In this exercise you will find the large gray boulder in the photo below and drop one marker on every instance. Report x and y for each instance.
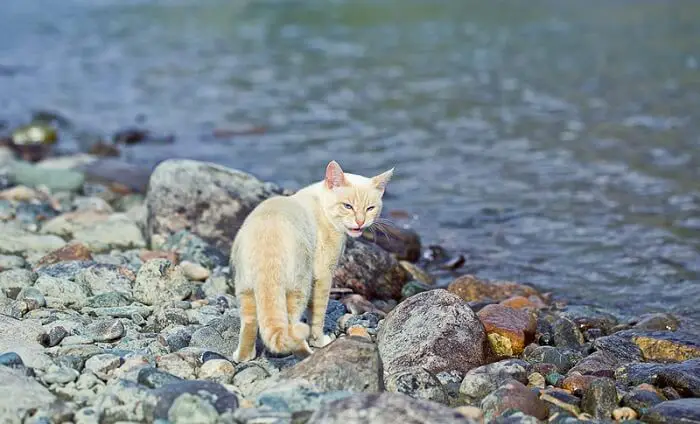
(207, 199)
(435, 330)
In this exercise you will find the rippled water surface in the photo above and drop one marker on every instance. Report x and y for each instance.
(555, 142)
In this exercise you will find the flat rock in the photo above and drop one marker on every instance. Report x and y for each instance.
(509, 330)
(21, 395)
(221, 399)
(17, 242)
(207, 199)
(470, 289)
(682, 411)
(664, 346)
(370, 271)
(385, 408)
(435, 330)
(73, 251)
(296, 396)
(347, 363)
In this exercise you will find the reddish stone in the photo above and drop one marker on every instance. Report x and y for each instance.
(516, 325)
(71, 252)
(577, 383)
(522, 302)
(470, 288)
(147, 255)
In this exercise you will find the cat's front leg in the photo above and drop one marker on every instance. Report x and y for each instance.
(319, 304)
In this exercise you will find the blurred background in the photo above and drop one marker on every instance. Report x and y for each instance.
(550, 141)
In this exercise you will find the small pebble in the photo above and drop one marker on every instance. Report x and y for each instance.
(625, 413)
(536, 380)
(53, 337)
(105, 330)
(359, 331)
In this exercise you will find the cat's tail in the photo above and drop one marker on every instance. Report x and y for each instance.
(275, 331)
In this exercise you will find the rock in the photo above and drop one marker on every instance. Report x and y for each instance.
(418, 273)
(404, 243)
(208, 199)
(469, 289)
(252, 379)
(418, 384)
(105, 330)
(147, 255)
(577, 383)
(589, 317)
(334, 311)
(32, 297)
(57, 374)
(8, 262)
(536, 380)
(521, 302)
(413, 287)
(221, 399)
(117, 174)
(347, 363)
(660, 321)
(17, 242)
(125, 400)
(192, 248)
(369, 321)
(641, 400)
(194, 271)
(685, 411)
(12, 360)
(600, 364)
(218, 370)
(385, 408)
(513, 395)
(296, 396)
(370, 271)
(624, 414)
(105, 278)
(116, 232)
(74, 251)
(219, 335)
(177, 364)
(509, 330)
(664, 346)
(481, 381)
(471, 412)
(560, 402)
(435, 330)
(567, 334)
(154, 378)
(358, 331)
(14, 280)
(53, 337)
(622, 349)
(188, 409)
(103, 365)
(600, 399)
(563, 360)
(683, 377)
(359, 305)
(32, 394)
(54, 179)
(158, 281)
(62, 291)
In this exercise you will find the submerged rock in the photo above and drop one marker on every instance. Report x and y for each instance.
(435, 330)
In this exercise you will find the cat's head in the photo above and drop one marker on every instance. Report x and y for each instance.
(353, 202)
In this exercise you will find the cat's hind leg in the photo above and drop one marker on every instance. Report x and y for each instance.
(296, 303)
(249, 328)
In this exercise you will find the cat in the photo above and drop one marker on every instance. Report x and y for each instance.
(285, 253)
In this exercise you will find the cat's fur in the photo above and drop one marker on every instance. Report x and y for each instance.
(286, 251)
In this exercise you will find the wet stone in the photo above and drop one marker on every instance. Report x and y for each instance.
(566, 334)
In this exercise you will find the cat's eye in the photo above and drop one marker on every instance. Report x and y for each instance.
(369, 208)
(347, 206)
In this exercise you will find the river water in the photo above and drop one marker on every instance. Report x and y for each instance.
(553, 142)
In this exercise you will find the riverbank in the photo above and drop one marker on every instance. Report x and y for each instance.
(116, 307)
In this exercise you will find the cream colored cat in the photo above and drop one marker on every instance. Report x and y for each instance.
(285, 253)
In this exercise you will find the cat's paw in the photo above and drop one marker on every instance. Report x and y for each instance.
(238, 357)
(323, 340)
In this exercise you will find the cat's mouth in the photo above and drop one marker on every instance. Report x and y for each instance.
(355, 232)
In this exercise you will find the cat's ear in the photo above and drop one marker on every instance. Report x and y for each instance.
(334, 175)
(380, 181)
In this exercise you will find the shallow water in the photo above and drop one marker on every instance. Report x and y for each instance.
(555, 142)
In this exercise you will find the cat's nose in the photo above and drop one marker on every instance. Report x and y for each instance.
(359, 222)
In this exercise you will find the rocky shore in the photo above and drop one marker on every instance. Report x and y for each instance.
(115, 307)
